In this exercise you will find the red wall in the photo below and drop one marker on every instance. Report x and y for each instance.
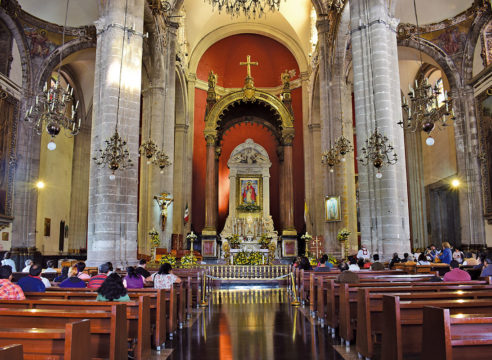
(223, 58)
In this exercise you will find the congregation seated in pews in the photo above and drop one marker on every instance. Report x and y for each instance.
(150, 310)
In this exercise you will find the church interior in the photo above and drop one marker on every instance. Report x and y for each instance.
(233, 138)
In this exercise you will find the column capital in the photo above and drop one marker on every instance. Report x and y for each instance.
(191, 77)
(210, 139)
(181, 127)
(323, 25)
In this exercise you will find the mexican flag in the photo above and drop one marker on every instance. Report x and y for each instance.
(186, 214)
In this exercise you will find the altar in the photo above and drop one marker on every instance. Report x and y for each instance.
(249, 221)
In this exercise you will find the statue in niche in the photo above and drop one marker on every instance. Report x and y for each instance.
(164, 200)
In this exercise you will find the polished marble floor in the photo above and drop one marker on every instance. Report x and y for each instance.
(251, 324)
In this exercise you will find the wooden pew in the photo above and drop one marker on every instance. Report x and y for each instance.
(328, 300)
(463, 336)
(138, 316)
(11, 352)
(69, 343)
(370, 307)
(163, 309)
(402, 322)
(107, 329)
(347, 310)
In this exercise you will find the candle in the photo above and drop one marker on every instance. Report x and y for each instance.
(77, 104)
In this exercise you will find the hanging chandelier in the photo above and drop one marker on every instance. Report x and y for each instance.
(425, 110)
(148, 149)
(249, 8)
(115, 153)
(378, 152)
(54, 106)
(161, 160)
(336, 153)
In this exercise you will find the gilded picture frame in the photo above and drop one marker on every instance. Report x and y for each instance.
(249, 191)
(289, 247)
(333, 211)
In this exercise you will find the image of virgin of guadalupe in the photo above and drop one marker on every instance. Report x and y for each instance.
(249, 194)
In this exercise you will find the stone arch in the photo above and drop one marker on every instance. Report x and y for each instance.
(252, 28)
(439, 56)
(479, 23)
(284, 127)
(15, 28)
(53, 60)
(6, 40)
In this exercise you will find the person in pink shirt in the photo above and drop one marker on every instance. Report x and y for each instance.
(456, 274)
(82, 275)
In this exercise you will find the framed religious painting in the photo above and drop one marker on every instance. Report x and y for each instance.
(209, 248)
(289, 247)
(249, 192)
(332, 208)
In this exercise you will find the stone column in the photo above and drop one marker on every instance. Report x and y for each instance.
(210, 192)
(113, 204)
(163, 122)
(288, 228)
(383, 202)
(470, 196)
(280, 154)
(79, 196)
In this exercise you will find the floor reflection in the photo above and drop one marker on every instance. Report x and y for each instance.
(252, 324)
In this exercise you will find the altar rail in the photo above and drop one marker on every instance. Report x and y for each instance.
(233, 272)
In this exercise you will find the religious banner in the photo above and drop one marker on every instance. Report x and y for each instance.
(332, 208)
(249, 192)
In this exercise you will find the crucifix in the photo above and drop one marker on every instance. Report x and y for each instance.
(248, 63)
(316, 243)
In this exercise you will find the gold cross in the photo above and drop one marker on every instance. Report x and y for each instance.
(248, 63)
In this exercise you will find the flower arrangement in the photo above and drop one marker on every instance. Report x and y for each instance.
(248, 258)
(343, 234)
(189, 260)
(248, 207)
(265, 240)
(242, 258)
(271, 252)
(168, 258)
(227, 252)
(154, 238)
(313, 261)
(332, 260)
(306, 237)
(234, 241)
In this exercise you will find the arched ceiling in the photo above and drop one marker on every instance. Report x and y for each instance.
(80, 12)
(430, 11)
(293, 18)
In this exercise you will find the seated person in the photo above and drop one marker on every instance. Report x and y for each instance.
(112, 289)
(133, 280)
(367, 264)
(446, 256)
(353, 265)
(97, 280)
(32, 282)
(28, 266)
(73, 281)
(9, 291)
(80, 268)
(394, 260)
(164, 278)
(423, 260)
(376, 265)
(141, 268)
(487, 267)
(304, 263)
(8, 261)
(50, 264)
(63, 275)
(323, 265)
(410, 260)
(456, 274)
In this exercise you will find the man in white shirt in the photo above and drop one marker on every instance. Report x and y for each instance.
(363, 253)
